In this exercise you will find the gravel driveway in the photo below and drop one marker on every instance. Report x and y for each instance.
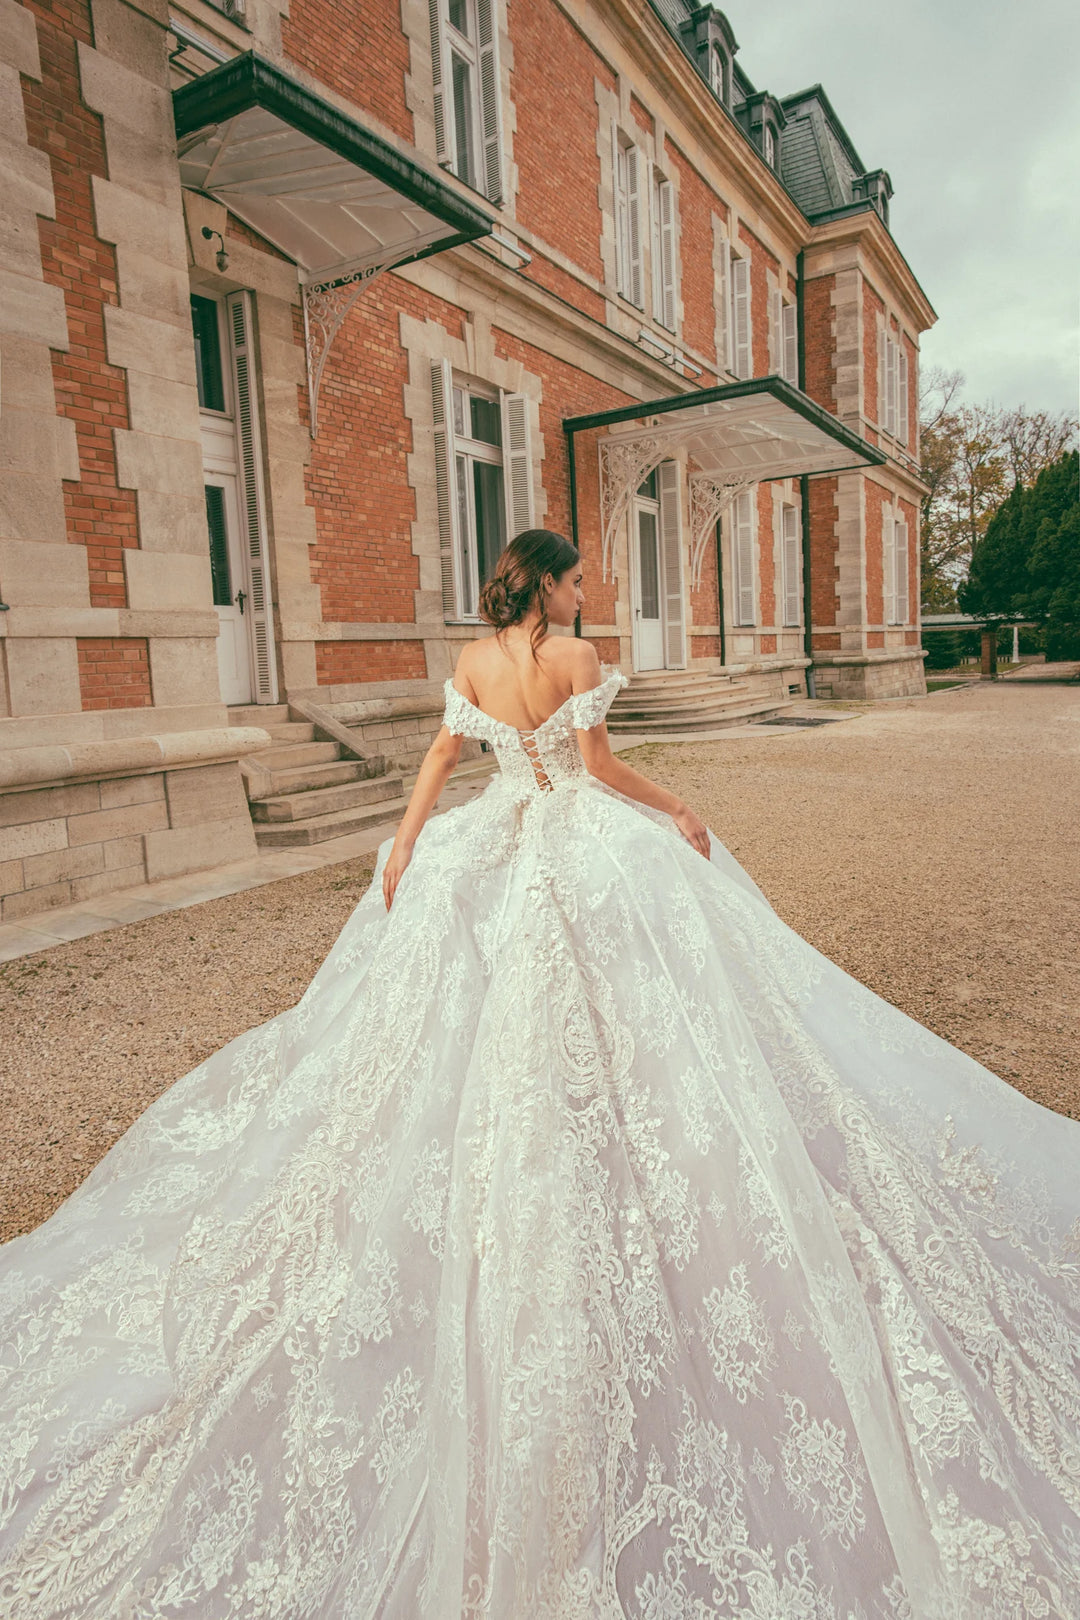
(930, 847)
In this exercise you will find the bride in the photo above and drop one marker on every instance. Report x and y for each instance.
(583, 1243)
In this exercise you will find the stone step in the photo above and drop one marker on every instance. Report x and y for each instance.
(652, 702)
(674, 681)
(307, 777)
(292, 731)
(712, 719)
(323, 801)
(318, 829)
(286, 756)
(258, 714)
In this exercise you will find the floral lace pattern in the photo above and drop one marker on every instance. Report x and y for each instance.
(582, 1244)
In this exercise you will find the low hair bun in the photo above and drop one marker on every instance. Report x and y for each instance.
(509, 595)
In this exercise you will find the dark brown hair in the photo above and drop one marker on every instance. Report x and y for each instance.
(514, 586)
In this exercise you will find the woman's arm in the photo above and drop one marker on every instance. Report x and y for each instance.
(439, 761)
(616, 773)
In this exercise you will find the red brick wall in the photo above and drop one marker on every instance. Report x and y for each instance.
(114, 672)
(820, 341)
(357, 49)
(340, 663)
(705, 601)
(553, 87)
(761, 261)
(824, 571)
(642, 117)
(704, 646)
(564, 286)
(697, 204)
(766, 560)
(607, 648)
(100, 515)
(363, 560)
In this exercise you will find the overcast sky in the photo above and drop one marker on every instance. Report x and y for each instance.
(973, 107)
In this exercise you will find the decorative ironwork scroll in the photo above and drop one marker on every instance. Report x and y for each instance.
(624, 465)
(326, 305)
(709, 498)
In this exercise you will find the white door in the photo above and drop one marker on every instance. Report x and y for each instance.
(648, 622)
(231, 595)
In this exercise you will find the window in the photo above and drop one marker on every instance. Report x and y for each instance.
(895, 559)
(466, 84)
(743, 512)
(768, 145)
(483, 477)
(783, 337)
(892, 384)
(790, 534)
(663, 252)
(209, 372)
(628, 220)
(720, 74)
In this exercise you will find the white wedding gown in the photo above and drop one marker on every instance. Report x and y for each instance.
(583, 1243)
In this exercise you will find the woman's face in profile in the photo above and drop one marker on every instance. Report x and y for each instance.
(566, 599)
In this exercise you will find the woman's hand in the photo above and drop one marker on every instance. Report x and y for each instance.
(396, 862)
(692, 828)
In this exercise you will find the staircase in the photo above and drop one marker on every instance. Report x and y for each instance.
(672, 701)
(302, 791)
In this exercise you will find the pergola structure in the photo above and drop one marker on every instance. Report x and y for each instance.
(328, 192)
(736, 436)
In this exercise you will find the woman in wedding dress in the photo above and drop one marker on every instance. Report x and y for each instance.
(582, 1244)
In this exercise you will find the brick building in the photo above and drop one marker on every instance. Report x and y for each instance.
(309, 306)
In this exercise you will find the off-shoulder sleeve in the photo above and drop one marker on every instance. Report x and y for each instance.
(587, 709)
(459, 716)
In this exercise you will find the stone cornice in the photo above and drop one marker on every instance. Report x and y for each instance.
(877, 253)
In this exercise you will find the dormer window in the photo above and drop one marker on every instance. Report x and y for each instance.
(769, 145)
(874, 187)
(763, 119)
(711, 45)
(720, 74)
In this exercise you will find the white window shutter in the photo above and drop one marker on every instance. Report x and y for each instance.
(881, 373)
(666, 210)
(622, 224)
(671, 564)
(723, 301)
(489, 100)
(900, 552)
(517, 465)
(776, 341)
(891, 382)
(902, 412)
(445, 483)
(633, 231)
(742, 556)
(790, 339)
(790, 539)
(437, 22)
(252, 494)
(740, 308)
(888, 569)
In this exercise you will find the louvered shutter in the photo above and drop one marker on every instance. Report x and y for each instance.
(252, 497)
(622, 252)
(902, 423)
(790, 339)
(437, 23)
(881, 407)
(890, 385)
(792, 560)
(671, 564)
(723, 297)
(664, 254)
(489, 100)
(888, 568)
(900, 553)
(742, 553)
(445, 482)
(776, 340)
(633, 232)
(740, 305)
(517, 465)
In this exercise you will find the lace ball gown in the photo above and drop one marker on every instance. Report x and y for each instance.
(583, 1243)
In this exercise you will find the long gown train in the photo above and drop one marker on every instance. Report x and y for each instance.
(583, 1244)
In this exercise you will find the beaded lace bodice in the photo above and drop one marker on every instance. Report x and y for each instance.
(548, 756)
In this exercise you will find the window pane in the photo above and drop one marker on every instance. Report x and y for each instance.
(465, 539)
(463, 118)
(219, 546)
(649, 572)
(648, 486)
(486, 425)
(459, 412)
(490, 516)
(459, 16)
(204, 321)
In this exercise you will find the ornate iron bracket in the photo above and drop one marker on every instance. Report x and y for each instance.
(326, 305)
(624, 464)
(709, 497)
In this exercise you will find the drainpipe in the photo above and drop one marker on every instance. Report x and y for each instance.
(720, 589)
(804, 493)
(572, 461)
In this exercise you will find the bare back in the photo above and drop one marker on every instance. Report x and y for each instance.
(500, 675)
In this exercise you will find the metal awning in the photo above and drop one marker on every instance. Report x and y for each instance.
(328, 192)
(743, 434)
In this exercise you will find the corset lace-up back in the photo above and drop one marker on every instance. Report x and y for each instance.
(548, 756)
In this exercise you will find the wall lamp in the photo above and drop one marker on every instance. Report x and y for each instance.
(221, 257)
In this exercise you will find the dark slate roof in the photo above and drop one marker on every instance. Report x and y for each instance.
(817, 159)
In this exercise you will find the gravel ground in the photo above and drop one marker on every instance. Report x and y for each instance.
(930, 847)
